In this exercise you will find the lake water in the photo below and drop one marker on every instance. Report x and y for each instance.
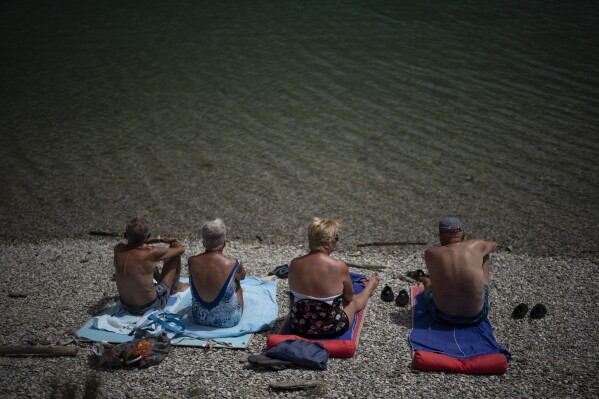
(383, 114)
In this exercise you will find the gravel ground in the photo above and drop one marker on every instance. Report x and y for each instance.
(66, 281)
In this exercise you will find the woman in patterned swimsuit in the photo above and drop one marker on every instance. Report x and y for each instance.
(217, 297)
(322, 302)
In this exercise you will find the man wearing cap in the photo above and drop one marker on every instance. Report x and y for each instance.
(456, 291)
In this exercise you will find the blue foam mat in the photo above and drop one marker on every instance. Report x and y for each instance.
(460, 342)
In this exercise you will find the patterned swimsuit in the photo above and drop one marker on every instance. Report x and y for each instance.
(224, 311)
(313, 318)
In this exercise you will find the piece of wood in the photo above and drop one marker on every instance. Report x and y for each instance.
(38, 351)
(368, 267)
(384, 243)
(408, 279)
(105, 233)
(294, 384)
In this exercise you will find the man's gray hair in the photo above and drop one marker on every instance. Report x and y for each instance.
(213, 235)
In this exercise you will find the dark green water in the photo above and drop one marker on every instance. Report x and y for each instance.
(383, 114)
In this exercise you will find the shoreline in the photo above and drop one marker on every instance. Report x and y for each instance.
(404, 245)
(66, 280)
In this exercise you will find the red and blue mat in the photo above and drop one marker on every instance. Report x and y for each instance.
(462, 349)
(343, 346)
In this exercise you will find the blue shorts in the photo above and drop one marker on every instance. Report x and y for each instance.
(162, 294)
(445, 318)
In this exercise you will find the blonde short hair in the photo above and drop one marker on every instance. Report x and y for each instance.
(321, 231)
(213, 234)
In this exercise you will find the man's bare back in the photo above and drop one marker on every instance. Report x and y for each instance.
(459, 273)
(136, 264)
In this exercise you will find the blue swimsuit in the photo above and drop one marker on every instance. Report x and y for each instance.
(457, 320)
(224, 311)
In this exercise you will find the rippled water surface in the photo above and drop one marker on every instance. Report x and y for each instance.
(383, 114)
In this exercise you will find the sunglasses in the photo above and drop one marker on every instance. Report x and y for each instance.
(336, 237)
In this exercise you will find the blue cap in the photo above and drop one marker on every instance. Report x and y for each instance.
(450, 225)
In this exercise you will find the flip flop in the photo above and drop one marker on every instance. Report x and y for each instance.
(280, 271)
(416, 274)
(264, 361)
(538, 311)
(387, 294)
(402, 298)
(520, 311)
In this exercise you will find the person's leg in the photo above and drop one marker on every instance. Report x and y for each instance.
(427, 284)
(171, 271)
(239, 293)
(361, 300)
(487, 269)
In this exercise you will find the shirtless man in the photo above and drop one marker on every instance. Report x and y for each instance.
(459, 276)
(136, 265)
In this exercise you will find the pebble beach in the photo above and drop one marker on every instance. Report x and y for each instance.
(51, 288)
(383, 115)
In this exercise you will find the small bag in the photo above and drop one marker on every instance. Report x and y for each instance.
(303, 353)
(144, 352)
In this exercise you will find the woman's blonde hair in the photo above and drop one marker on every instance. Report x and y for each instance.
(321, 231)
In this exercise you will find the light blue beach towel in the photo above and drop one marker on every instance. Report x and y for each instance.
(260, 313)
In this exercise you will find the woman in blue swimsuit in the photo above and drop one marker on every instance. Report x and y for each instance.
(217, 297)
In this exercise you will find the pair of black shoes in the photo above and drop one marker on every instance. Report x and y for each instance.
(538, 311)
(402, 298)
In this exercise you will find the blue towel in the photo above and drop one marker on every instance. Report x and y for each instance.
(462, 342)
(116, 320)
(259, 314)
(260, 311)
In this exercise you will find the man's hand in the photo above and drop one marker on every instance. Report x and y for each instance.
(174, 243)
(164, 240)
(240, 273)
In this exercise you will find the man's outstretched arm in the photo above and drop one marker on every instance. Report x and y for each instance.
(488, 246)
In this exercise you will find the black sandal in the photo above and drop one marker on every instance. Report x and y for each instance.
(538, 311)
(402, 298)
(520, 311)
(387, 294)
(416, 274)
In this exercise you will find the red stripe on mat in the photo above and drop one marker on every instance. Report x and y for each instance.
(341, 348)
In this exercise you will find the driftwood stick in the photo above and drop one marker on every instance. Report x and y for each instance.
(105, 233)
(384, 243)
(38, 351)
(16, 295)
(408, 279)
(368, 267)
(294, 384)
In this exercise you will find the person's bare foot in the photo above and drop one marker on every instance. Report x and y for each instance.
(373, 282)
(375, 279)
(180, 288)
